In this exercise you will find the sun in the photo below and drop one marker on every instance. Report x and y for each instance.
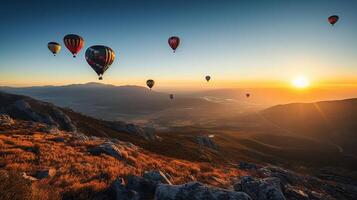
(300, 82)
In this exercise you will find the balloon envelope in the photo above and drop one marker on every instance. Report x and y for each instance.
(54, 47)
(171, 96)
(208, 78)
(74, 43)
(174, 42)
(150, 83)
(100, 58)
(333, 19)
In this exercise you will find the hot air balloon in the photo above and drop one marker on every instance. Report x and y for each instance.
(100, 58)
(171, 96)
(74, 43)
(247, 95)
(333, 19)
(208, 78)
(54, 47)
(150, 83)
(174, 42)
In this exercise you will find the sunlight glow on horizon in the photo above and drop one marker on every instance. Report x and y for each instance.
(301, 82)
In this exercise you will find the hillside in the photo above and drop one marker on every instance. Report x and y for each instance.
(48, 152)
(327, 120)
(108, 101)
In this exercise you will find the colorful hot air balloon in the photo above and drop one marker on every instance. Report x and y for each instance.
(54, 47)
(333, 19)
(150, 83)
(100, 58)
(174, 42)
(208, 78)
(171, 96)
(74, 43)
(247, 95)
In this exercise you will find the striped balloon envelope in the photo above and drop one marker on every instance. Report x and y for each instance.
(74, 43)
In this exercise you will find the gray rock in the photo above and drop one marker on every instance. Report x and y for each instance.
(107, 148)
(205, 141)
(157, 176)
(23, 106)
(121, 192)
(196, 191)
(144, 187)
(63, 120)
(261, 189)
(285, 176)
(57, 117)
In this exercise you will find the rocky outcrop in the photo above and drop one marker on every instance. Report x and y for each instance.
(260, 189)
(6, 120)
(196, 191)
(25, 109)
(63, 120)
(146, 133)
(144, 188)
(121, 192)
(53, 115)
(107, 148)
(157, 176)
(205, 141)
(296, 186)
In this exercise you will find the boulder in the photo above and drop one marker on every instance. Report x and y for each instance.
(196, 191)
(260, 189)
(145, 188)
(285, 176)
(107, 148)
(121, 192)
(157, 176)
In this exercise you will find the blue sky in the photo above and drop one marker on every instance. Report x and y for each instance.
(235, 42)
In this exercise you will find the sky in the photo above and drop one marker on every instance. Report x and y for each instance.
(239, 43)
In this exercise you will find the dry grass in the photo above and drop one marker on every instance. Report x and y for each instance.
(77, 170)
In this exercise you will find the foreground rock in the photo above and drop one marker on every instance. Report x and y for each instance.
(121, 192)
(260, 189)
(107, 148)
(196, 191)
(157, 176)
(297, 186)
(144, 188)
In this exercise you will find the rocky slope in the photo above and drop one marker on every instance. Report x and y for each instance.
(71, 165)
(47, 152)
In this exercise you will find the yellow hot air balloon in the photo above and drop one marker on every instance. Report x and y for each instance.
(54, 47)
